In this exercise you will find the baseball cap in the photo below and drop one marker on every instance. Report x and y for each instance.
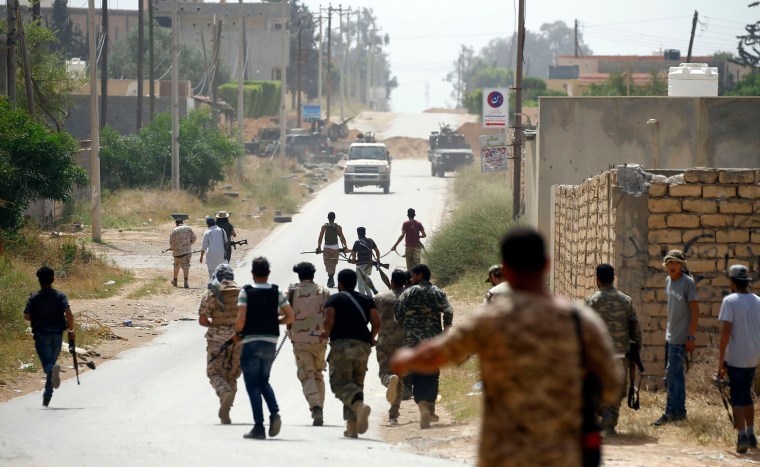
(739, 271)
(494, 270)
(222, 215)
(675, 255)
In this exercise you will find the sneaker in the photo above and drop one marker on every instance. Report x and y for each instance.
(742, 444)
(752, 441)
(362, 412)
(46, 400)
(174, 282)
(225, 404)
(668, 418)
(392, 391)
(275, 423)
(55, 376)
(317, 417)
(393, 421)
(187, 286)
(256, 433)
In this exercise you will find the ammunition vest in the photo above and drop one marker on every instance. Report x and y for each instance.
(262, 317)
(331, 234)
(226, 316)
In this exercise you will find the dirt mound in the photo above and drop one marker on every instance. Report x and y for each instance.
(441, 110)
(472, 132)
(402, 147)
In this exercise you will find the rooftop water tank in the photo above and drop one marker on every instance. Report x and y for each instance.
(693, 80)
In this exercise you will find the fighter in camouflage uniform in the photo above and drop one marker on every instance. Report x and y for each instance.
(617, 312)
(419, 310)
(391, 337)
(181, 243)
(530, 363)
(218, 311)
(308, 337)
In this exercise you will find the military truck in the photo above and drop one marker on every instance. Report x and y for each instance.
(448, 151)
(368, 164)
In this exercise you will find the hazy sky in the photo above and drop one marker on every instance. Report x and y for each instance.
(425, 35)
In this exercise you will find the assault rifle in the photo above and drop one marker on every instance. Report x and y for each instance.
(634, 363)
(73, 351)
(235, 243)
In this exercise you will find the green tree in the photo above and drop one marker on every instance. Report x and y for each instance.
(34, 162)
(747, 86)
(71, 44)
(617, 85)
(749, 51)
(144, 159)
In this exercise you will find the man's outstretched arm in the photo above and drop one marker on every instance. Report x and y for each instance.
(425, 358)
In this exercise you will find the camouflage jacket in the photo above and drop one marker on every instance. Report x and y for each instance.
(308, 301)
(222, 318)
(530, 363)
(617, 312)
(181, 240)
(391, 333)
(419, 311)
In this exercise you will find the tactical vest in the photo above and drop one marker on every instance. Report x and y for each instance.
(331, 234)
(226, 317)
(46, 312)
(261, 318)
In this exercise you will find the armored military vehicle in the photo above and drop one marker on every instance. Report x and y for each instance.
(448, 151)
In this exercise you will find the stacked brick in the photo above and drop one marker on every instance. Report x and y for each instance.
(584, 234)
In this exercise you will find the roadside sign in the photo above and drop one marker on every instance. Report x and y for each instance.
(311, 112)
(495, 107)
(493, 153)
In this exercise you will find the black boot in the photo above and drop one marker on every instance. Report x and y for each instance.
(330, 281)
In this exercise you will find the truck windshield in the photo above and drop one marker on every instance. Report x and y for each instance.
(375, 153)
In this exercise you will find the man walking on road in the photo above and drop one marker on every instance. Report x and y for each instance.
(529, 347)
(420, 310)
(214, 242)
(412, 231)
(309, 338)
(223, 222)
(680, 335)
(740, 352)
(262, 308)
(616, 310)
(331, 233)
(218, 312)
(49, 313)
(347, 316)
(181, 244)
(363, 253)
(391, 338)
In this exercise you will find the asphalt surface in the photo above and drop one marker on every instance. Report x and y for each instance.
(153, 405)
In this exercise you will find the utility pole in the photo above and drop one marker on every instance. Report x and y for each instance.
(347, 58)
(94, 127)
(298, 74)
(217, 35)
(240, 97)
(140, 54)
(283, 83)
(342, 83)
(104, 68)
(10, 12)
(151, 71)
(329, 59)
(175, 95)
(518, 134)
(693, 30)
(319, 78)
(576, 38)
(357, 75)
(371, 41)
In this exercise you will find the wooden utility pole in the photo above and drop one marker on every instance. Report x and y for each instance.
(347, 57)
(241, 91)
(283, 83)
(576, 38)
(341, 76)
(320, 72)
(693, 30)
(175, 95)
(10, 12)
(329, 59)
(94, 127)
(298, 74)
(140, 54)
(151, 71)
(217, 34)
(104, 68)
(518, 133)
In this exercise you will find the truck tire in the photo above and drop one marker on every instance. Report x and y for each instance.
(386, 187)
(347, 188)
(432, 169)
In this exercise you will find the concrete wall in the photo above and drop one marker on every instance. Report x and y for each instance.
(582, 136)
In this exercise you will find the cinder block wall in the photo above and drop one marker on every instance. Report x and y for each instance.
(712, 214)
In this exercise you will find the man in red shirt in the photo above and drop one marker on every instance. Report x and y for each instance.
(413, 231)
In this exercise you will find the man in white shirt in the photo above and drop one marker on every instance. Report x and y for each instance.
(214, 241)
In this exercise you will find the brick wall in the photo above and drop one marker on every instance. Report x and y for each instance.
(712, 214)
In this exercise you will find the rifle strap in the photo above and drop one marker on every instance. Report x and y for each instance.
(356, 304)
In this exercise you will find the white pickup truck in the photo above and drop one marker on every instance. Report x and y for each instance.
(368, 164)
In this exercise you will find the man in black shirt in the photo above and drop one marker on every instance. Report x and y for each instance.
(361, 254)
(346, 317)
(49, 312)
(223, 221)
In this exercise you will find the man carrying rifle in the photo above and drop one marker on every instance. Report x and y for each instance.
(223, 221)
(616, 310)
(218, 312)
(49, 312)
(362, 255)
(181, 243)
(331, 232)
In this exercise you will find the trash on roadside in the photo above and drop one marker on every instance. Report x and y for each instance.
(26, 366)
(128, 323)
(110, 283)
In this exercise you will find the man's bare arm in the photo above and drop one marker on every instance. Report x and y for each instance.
(329, 319)
(341, 237)
(321, 235)
(287, 315)
(425, 358)
(399, 240)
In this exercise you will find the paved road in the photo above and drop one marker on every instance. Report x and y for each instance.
(154, 406)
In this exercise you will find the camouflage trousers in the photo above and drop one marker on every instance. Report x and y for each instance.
(330, 258)
(413, 256)
(384, 354)
(348, 366)
(224, 371)
(310, 363)
(182, 262)
(609, 414)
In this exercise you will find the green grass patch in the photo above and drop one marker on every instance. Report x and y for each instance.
(154, 286)
(456, 390)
